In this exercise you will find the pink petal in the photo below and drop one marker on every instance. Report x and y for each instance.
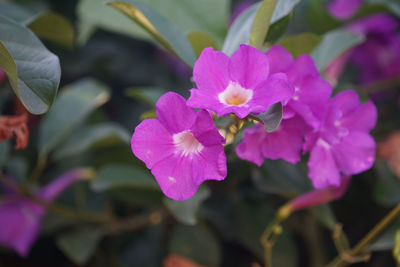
(344, 9)
(356, 153)
(210, 71)
(248, 66)
(209, 164)
(276, 88)
(57, 186)
(151, 142)
(205, 100)
(322, 166)
(346, 101)
(362, 119)
(279, 59)
(302, 67)
(205, 131)
(250, 147)
(175, 177)
(173, 113)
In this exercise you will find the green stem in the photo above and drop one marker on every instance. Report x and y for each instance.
(374, 233)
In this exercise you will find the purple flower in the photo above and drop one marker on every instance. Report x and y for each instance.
(20, 216)
(342, 145)
(240, 84)
(344, 9)
(284, 143)
(311, 92)
(182, 147)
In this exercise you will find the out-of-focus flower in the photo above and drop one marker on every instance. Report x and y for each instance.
(344, 9)
(174, 260)
(378, 57)
(342, 145)
(389, 149)
(174, 63)
(182, 147)
(240, 84)
(14, 126)
(239, 9)
(3, 76)
(285, 142)
(20, 216)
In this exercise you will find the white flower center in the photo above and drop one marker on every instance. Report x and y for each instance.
(235, 95)
(186, 143)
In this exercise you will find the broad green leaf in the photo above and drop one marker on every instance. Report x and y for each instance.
(387, 187)
(103, 134)
(277, 29)
(303, 43)
(392, 5)
(38, 69)
(271, 118)
(166, 33)
(17, 13)
(240, 31)
(53, 27)
(208, 16)
(196, 243)
(186, 211)
(261, 23)
(120, 175)
(333, 44)
(7, 64)
(200, 41)
(79, 245)
(73, 105)
(5, 148)
(148, 95)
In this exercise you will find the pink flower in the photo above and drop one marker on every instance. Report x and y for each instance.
(342, 145)
(20, 216)
(284, 143)
(311, 91)
(182, 147)
(344, 9)
(240, 84)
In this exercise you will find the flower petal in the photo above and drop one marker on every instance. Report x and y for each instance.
(205, 131)
(210, 72)
(302, 67)
(362, 119)
(279, 59)
(250, 147)
(356, 153)
(248, 66)
(173, 112)
(209, 164)
(151, 142)
(322, 166)
(344, 9)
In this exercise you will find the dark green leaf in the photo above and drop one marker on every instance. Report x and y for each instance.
(73, 105)
(79, 245)
(261, 23)
(303, 43)
(333, 44)
(120, 175)
(53, 27)
(166, 33)
(271, 118)
(325, 215)
(387, 187)
(103, 134)
(148, 95)
(200, 41)
(186, 211)
(38, 69)
(5, 148)
(392, 5)
(277, 29)
(240, 31)
(196, 243)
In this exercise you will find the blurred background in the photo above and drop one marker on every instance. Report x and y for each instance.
(120, 218)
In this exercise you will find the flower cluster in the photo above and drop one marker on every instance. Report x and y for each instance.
(183, 147)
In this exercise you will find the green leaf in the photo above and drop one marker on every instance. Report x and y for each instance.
(5, 148)
(53, 27)
(333, 44)
(386, 240)
(200, 41)
(271, 118)
(277, 29)
(18, 13)
(261, 23)
(392, 5)
(148, 95)
(38, 69)
(240, 31)
(120, 175)
(325, 215)
(79, 245)
(186, 211)
(196, 243)
(102, 134)
(73, 105)
(208, 16)
(387, 187)
(161, 29)
(7, 64)
(303, 43)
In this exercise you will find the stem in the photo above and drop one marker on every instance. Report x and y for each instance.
(40, 165)
(374, 233)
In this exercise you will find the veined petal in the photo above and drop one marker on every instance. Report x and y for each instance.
(279, 59)
(250, 147)
(209, 164)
